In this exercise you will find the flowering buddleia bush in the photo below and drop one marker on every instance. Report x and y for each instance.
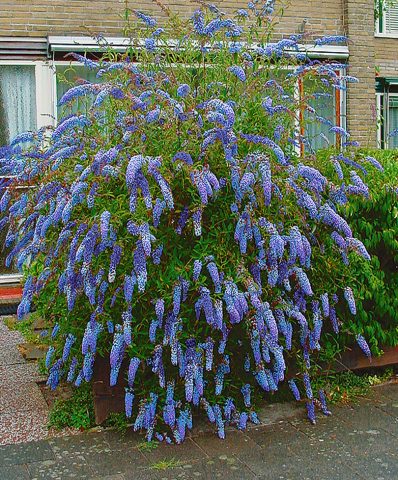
(171, 224)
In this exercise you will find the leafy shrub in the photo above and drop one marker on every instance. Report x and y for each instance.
(76, 412)
(375, 282)
(173, 225)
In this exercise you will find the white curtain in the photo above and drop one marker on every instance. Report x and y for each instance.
(69, 76)
(17, 101)
(325, 107)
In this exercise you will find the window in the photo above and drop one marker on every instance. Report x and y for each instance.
(317, 127)
(387, 109)
(392, 124)
(67, 75)
(17, 101)
(328, 106)
(387, 21)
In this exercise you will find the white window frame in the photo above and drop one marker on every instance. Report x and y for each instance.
(383, 99)
(379, 100)
(44, 117)
(383, 32)
(44, 90)
(387, 97)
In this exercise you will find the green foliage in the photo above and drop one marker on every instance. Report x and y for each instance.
(118, 421)
(148, 446)
(166, 464)
(76, 412)
(348, 387)
(375, 284)
(263, 235)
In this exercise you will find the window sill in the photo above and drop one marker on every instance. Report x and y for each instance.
(386, 35)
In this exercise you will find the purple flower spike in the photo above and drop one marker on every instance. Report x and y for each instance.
(322, 399)
(128, 402)
(349, 296)
(238, 72)
(294, 389)
(363, 345)
(246, 392)
(311, 411)
(133, 367)
(197, 268)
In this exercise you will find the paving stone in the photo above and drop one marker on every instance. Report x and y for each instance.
(274, 413)
(126, 461)
(389, 390)
(129, 438)
(235, 442)
(109, 477)
(18, 373)
(14, 472)
(222, 466)
(376, 466)
(391, 408)
(19, 426)
(276, 435)
(29, 393)
(76, 467)
(372, 418)
(25, 453)
(186, 452)
(85, 444)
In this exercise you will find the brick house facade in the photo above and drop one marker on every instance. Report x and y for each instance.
(29, 30)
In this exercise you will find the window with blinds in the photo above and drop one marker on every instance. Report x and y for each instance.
(387, 23)
(391, 19)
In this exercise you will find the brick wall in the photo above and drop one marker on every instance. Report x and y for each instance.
(359, 26)
(78, 17)
(353, 17)
(386, 52)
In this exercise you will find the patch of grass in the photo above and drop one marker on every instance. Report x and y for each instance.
(166, 464)
(118, 421)
(41, 366)
(148, 446)
(77, 411)
(348, 387)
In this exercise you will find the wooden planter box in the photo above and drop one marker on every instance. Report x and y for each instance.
(107, 399)
(111, 399)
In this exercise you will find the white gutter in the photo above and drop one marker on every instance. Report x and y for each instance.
(120, 44)
(10, 279)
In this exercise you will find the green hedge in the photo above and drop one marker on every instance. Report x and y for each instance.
(375, 283)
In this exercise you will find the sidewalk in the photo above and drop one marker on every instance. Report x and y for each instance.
(358, 442)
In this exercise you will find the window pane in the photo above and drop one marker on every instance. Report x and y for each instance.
(324, 102)
(17, 101)
(393, 122)
(67, 77)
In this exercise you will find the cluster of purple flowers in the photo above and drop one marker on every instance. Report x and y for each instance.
(112, 228)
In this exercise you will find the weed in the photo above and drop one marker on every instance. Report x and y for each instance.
(148, 446)
(118, 421)
(166, 464)
(348, 387)
(76, 411)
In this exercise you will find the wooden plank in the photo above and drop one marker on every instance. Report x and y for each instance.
(111, 399)
(107, 399)
(355, 359)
